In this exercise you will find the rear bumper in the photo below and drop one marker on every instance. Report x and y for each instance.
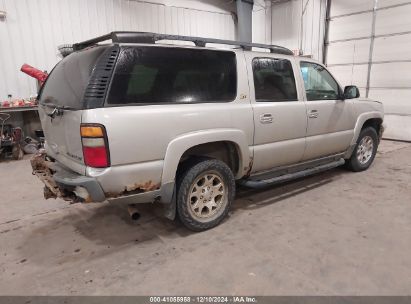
(60, 182)
(69, 180)
(71, 186)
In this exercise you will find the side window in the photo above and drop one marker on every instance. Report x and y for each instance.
(274, 80)
(155, 75)
(141, 80)
(318, 82)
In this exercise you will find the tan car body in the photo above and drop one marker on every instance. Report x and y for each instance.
(148, 142)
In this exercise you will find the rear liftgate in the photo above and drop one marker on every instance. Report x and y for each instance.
(69, 185)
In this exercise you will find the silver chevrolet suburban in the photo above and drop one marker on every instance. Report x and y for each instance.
(136, 121)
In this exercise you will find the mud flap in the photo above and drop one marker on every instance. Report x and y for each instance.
(381, 132)
(170, 209)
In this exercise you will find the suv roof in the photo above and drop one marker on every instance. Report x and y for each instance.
(151, 38)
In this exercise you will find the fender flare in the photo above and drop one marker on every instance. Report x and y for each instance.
(362, 118)
(182, 143)
(360, 123)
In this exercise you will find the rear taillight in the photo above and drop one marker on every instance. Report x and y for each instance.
(95, 145)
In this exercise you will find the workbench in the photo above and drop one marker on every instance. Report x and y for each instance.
(25, 117)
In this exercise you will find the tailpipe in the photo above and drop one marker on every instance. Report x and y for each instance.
(134, 212)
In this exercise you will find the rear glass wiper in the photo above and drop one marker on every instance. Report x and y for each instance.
(57, 109)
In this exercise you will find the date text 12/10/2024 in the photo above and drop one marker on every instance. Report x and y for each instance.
(203, 299)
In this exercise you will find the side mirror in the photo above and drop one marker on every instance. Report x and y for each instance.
(351, 92)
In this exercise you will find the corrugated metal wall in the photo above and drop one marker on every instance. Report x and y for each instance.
(299, 24)
(262, 21)
(370, 47)
(34, 28)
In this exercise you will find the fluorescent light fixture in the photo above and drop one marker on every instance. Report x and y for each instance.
(3, 15)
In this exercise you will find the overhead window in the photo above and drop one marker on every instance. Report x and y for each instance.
(274, 80)
(152, 75)
(318, 82)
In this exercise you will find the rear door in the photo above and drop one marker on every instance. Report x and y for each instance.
(65, 87)
(331, 120)
(279, 111)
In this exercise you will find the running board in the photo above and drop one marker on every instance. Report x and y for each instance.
(259, 184)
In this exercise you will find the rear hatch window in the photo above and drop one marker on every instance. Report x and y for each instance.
(67, 83)
(65, 88)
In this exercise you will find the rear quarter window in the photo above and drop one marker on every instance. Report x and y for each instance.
(158, 75)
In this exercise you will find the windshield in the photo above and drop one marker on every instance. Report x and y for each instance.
(66, 84)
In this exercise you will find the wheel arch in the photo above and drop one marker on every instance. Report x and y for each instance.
(183, 143)
(225, 151)
(374, 119)
(375, 123)
(221, 143)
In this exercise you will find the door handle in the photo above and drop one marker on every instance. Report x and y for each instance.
(313, 114)
(266, 118)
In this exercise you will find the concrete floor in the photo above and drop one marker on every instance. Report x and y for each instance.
(336, 233)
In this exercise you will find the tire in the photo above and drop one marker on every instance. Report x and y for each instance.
(205, 191)
(365, 150)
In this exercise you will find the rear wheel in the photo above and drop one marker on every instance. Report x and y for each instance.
(365, 150)
(205, 193)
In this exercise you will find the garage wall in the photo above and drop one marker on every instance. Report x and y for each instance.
(261, 23)
(370, 46)
(299, 25)
(34, 28)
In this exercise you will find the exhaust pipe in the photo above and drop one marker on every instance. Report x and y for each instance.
(133, 211)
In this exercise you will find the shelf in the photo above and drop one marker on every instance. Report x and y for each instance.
(18, 109)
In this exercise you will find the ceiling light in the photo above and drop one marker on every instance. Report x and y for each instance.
(3, 15)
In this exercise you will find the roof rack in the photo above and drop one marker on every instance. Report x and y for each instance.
(151, 38)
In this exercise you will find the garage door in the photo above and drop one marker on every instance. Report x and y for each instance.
(370, 46)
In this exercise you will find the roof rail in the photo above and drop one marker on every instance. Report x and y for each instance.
(151, 38)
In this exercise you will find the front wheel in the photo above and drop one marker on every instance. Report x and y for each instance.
(205, 193)
(365, 150)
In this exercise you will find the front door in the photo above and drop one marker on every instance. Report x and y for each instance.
(331, 120)
(279, 112)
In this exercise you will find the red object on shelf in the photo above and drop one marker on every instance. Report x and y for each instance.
(35, 73)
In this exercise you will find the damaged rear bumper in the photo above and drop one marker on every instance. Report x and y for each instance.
(68, 185)
(65, 184)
